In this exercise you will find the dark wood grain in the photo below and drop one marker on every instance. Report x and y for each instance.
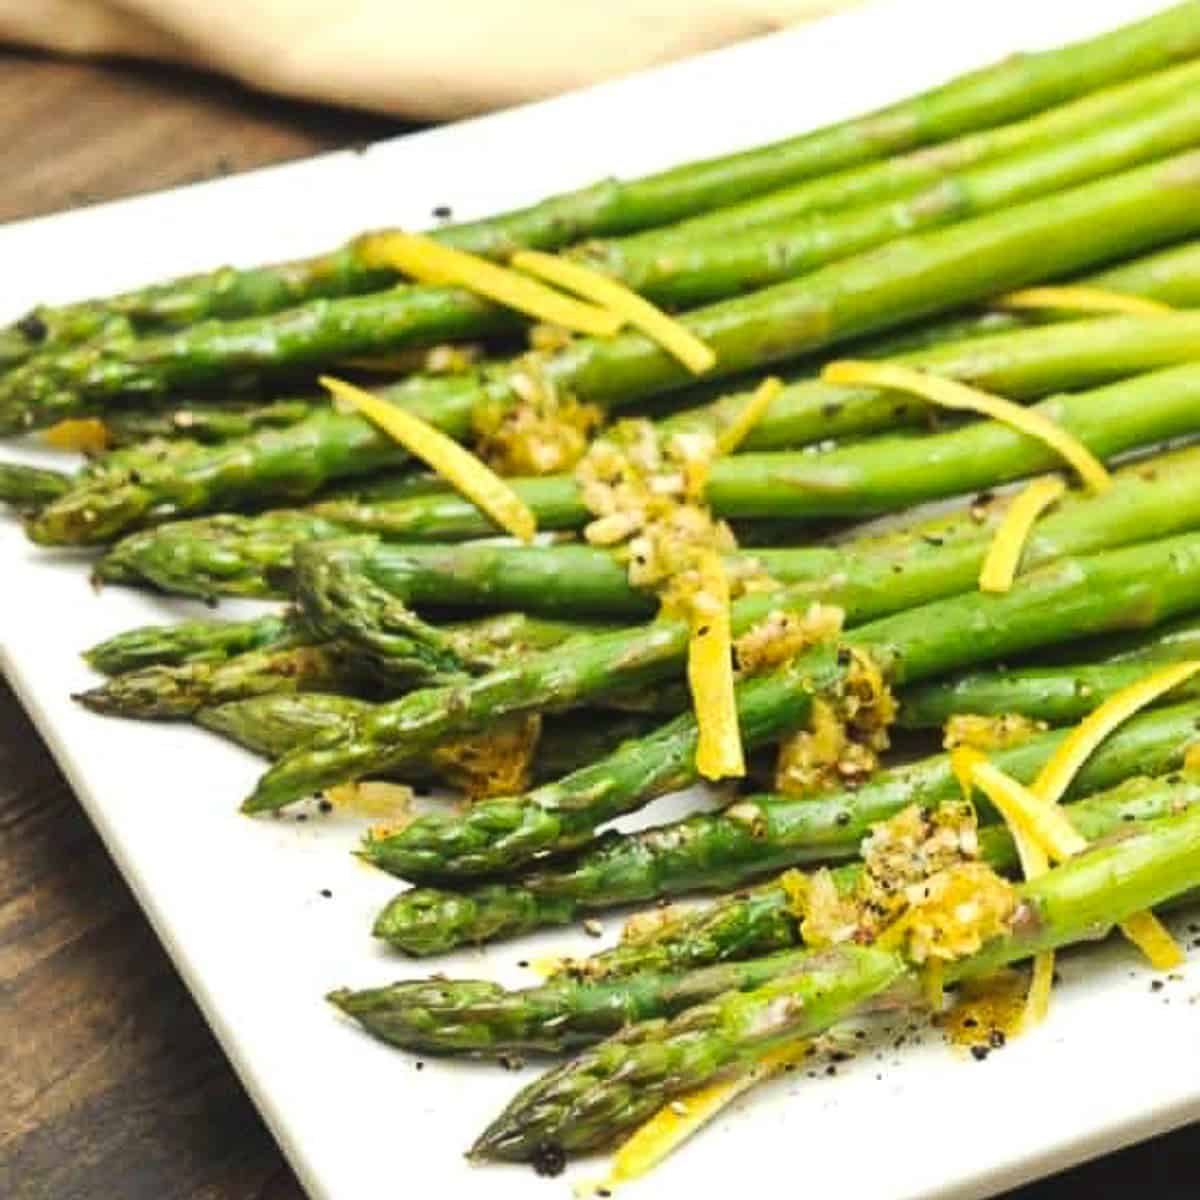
(111, 1086)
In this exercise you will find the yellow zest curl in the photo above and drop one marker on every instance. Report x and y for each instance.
(627, 306)
(732, 436)
(423, 259)
(1083, 299)
(949, 393)
(1000, 566)
(710, 674)
(86, 435)
(673, 1124)
(459, 467)
(1055, 777)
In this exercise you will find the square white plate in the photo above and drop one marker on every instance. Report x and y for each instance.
(238, 903)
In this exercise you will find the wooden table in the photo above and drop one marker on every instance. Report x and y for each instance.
(111, 1086)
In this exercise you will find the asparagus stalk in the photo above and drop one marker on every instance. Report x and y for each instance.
(30, 488)
(607, 1089)
(904, 175)
(1070, 599)
(444, 1016)
(1140, 585)
(202, 421)
(860, 479)
(192, 641)
(749, 838)
(290, 463)
(411, 654)
(1008, 90)
(909, 278)
(1054, 694)
(696, 272)
(1156, 498)
(250, 556)
(167, 693)
(723, 263)
(1171, 276)
(274, 724)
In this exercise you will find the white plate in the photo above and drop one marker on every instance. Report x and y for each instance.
(238, 903)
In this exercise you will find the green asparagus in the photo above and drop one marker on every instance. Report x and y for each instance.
(165, 692)
(290, 463)
(610, 1088)
(860, 479)
(444, 1016)
(685, 275)
(192, 641)
(1058, 695)
(628, 660)
(202, 421)
(30, 488)
(903, 175)
(1010, 89)
(1141, 585)
(749, 838)
(909, 278)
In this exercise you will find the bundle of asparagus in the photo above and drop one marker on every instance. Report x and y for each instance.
(699, 603)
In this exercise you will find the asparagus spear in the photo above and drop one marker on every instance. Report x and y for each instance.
(725, 262)
(747, 839)
(1055, 694)
(860, 479)
(1070, 599)
(909, 278)
(202, 421)
(290, 463)
(1171, 275)
(30, 488)
(577, 1007)
(230, 555)
(684, 275)
(903, 175)
(411, 654)
(1010, 89)
(274, 724)
(192, 641)
(165, 692)
(607, 1089)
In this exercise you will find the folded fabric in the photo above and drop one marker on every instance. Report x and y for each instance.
(427, 61)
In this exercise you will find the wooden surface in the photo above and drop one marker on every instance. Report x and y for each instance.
(111, 1086)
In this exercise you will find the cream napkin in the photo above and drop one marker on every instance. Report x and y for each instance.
(431, 60)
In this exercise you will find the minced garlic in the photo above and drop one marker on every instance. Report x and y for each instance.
(847, 733)
(990, 733)
(543, 433)
(780, 636)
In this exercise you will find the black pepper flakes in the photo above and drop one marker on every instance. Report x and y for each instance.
(442, 212)
(326, 893)
(548, 1159)
(979, 1053)
(32, 326)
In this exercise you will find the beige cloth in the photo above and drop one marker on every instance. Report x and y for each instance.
(432, 59)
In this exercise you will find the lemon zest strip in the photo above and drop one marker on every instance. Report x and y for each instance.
(673, 336)
(673, 1124)
(458, 466)
(710, 674)
(1000, 566)
(1082, 299)
(427, 261)
(949, 393)
(732, 436)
